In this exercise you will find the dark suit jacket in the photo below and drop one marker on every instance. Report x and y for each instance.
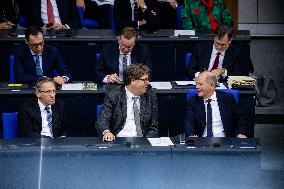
(25, 68)
(7, 11)
(31, 10)
(114, 112)
(109, 59)
(123, 15)
(195, 118)
(236, 62)
(30, 123)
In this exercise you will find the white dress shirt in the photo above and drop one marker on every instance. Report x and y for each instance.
(45, 131)
(120, 66)
(217, 125)
(44, 16)
(212, 59)
(129, 129)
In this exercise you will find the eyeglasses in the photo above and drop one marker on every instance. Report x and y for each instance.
(49, 91)
(36, 45)
(144, 80)
(126, 46)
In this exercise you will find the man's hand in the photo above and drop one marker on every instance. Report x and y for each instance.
(140, 3)
(218, 71)
(174, 4)
(59, 80)
(57, 26)
(108, 136)
(6, 25)
(241, 136)
(142, 22)
(113, 78)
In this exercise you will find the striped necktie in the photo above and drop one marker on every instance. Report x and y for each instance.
(39, 71)
(49, 119)
(137, 116)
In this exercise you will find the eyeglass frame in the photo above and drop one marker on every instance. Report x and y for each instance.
(36, 45)
(49, 91)
(144, 80)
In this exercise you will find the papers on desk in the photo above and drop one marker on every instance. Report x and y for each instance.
(161, 85)
(73, 86)
(184, 83)
(185, 32)
(162, 141)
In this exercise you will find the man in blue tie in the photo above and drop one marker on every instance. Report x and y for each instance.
(36, 59)
(116, 56)
(212, 113)
(42, 117)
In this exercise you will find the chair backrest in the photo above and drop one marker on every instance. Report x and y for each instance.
(179, 12)
(235, 93)
(10, 125)
(187, 60)
(98, 56)
(99, 109)
(12, 76)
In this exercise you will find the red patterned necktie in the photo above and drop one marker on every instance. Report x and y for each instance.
(50, 14)
(216, 62)
(136, 12)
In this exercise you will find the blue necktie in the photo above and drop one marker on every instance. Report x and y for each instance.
(124, 62)
(39, 71)
(137, 116)
(49, 119)
(209, 119)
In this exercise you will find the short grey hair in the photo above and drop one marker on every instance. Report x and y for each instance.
(41, 81)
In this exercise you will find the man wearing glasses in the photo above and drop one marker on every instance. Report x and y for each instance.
(219, 57)
(36, 59)
(116, 56)
(130, 110)
(42, 117)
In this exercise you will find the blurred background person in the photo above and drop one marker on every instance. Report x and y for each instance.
(205, 14)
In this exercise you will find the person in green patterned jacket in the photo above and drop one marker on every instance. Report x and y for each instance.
(205, 14)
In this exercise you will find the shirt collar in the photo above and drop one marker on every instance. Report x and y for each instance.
(129, 95)
(213, 97)
(33, 54)
(215, 51)
(42, 106)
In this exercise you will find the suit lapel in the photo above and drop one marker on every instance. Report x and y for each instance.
(227, 59)
(31, 62)
(201, 111)
(142, 109)
(44, 62)
(207, 56)
(115, 58)
(37, 115)
(124, 104)
(133, 56)
(222, 109)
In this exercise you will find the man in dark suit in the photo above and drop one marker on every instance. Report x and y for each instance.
(130, 110)
(35, 59)
(145, 16)
(42, 116)
(212, 113)
(116, 56)
(62, 14)
(219, 57)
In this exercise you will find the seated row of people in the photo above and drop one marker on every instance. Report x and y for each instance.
(36, 59)
(140, 14)
(131, 110)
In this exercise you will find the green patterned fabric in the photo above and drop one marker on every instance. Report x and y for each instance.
(194, 15)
